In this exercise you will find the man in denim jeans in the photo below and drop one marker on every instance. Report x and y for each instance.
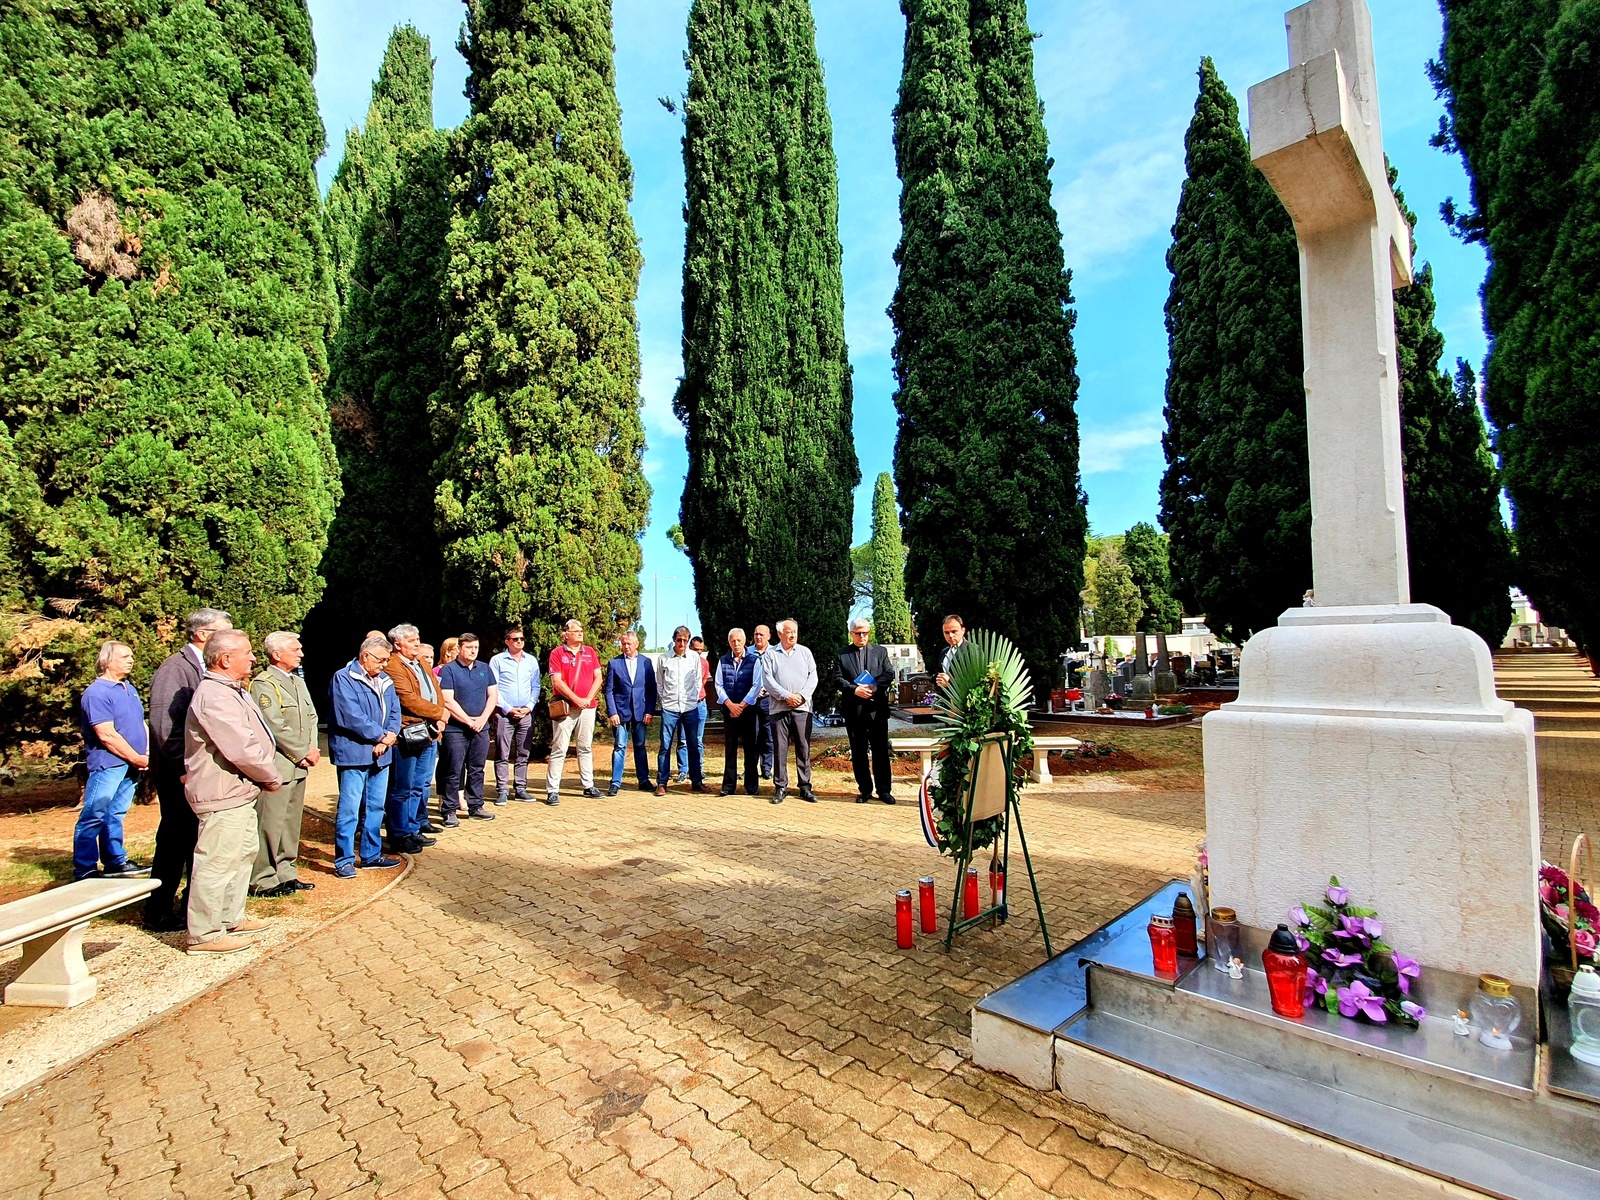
(118, 744)
(363, 726)
(421, 722)
(678, 683)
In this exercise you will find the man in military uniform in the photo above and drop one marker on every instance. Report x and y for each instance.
(287, 709)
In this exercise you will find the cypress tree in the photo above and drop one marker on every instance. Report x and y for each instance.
(1118, 605)
(1235, 496)
(1146, 553)
(1459, 549)
(388, 216)
(891, 616)
(986, 460)
(168, 305)
(541, 500)
(766, 393)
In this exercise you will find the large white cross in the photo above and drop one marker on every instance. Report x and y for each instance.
(1316, 135)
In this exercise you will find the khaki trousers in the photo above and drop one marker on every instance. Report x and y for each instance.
(575, 730)
(279, 814)
(224, 856)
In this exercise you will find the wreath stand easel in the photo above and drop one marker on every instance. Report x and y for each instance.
(991, 791)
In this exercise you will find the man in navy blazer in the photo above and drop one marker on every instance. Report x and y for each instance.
(630, 699)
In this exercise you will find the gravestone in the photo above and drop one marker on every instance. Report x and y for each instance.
(1401, 772)
(1140, 687)
(1166, 679)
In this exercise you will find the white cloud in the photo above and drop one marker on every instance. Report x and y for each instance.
(1104, 450)
(1122, 196)
(658, 383)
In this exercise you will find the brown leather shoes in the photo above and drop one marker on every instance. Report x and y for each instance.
(226, 944)
(662, 790)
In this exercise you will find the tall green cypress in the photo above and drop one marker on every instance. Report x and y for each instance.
(1147, 554)
(388, 217)
(766, 393)
(1459, 548)
(891, 616)
(168, 304)
(541, 500)
(986, 461)
(1236, 494)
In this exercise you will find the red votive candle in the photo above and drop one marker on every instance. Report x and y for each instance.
(997, 882)
(930, 917)
(1163, 944)
(902, 919)
(969, 894)
(1286, 973)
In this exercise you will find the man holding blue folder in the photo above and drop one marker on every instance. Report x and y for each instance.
(865, 677)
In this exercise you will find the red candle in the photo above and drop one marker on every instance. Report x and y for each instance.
(930, 918)
(902, 919)
(1286, 973)
(997, 882)
(969, 894)
(1163, 944)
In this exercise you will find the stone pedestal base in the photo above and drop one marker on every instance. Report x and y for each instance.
(53, 974)
(1368, 743)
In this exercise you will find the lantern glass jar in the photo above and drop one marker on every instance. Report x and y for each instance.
(1222, 937)
(1495, 1012)
(1583, 1012)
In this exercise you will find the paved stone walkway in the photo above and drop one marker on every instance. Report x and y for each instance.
(627, 998)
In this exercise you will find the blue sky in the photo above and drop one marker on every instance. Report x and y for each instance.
(1117, 78)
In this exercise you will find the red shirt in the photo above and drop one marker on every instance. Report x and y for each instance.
(578, 669)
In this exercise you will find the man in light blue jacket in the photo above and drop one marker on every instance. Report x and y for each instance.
(363, 726)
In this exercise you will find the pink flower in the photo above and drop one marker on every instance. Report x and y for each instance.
(1561, 912)
(1585, 941)
(1547, 893)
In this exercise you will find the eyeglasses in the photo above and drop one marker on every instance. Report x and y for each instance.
(514, 639)
(859, 632)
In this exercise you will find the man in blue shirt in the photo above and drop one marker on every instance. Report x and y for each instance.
(468, 690)
(516, 680)
(118, 745)
(738, 681)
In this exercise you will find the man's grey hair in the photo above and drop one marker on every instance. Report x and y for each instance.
(278, 643)
(107, 649)
(861, 623)
(204, 618)
(425, 649)
(377, 645)
(683, 629)
(739, 631)
(572, 623)
(224, 641)
(792, 623)
(401, 632)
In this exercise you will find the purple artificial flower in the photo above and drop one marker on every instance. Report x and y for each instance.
(1406, 968)
(1338, 895)
(1372, 927)
(1359, 998)
(1297, 914)
(1301, 943)
(1415, 1011)
(1338, 958)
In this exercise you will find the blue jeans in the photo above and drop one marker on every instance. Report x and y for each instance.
(686, 727)
(408, 789)
(359, 787)
(625, 732)
(700, 740)
(97, 841)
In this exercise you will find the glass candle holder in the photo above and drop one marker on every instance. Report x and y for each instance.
(1183, 926)
(1583, 1011)
(1163, 944)
(1495, 1012)
(997, 883)
(1222, 937)
(902, 920)
(1286, 973)
(930, 916)
(969, 893)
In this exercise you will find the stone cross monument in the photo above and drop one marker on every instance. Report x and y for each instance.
(1367, 740)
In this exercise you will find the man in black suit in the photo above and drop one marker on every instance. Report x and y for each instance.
(171, 689)
(864, 677)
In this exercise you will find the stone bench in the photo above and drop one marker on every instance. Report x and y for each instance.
(49, 928)
(1042, 745)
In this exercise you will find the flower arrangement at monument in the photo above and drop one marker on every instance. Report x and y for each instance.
(1556, 892)
(989, 692)
(1352, 970)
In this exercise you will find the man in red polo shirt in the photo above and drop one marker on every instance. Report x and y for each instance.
(575, 678)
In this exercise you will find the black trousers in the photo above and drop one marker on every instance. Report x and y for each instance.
(175, 839)
(739, 731)
(789, 728)
(868, 727)
(764, 739)
(463, 750)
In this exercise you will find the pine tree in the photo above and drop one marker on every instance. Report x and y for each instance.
(986, 461)
(388, 216)
(1118, 607)
(766, 393)
(1146, 553)
(1459, 549)
(891, 616)
(542, 501)
(169, 300)
(1235, 497)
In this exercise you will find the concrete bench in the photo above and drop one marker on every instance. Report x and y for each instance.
(49, 928)
(1042, 745)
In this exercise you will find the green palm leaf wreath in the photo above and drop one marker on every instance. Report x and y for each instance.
(989, 692)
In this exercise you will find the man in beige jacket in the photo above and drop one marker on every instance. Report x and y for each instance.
(230, 759)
